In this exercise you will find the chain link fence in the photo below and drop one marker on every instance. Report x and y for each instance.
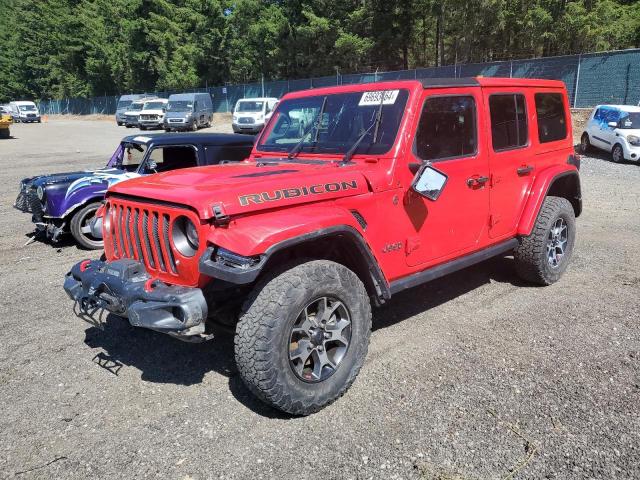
(591, 79)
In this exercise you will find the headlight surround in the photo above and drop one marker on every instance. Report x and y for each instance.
(633, 139)
(40, 192)
(185, 236)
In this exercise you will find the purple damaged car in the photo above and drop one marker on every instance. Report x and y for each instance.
(67, 202)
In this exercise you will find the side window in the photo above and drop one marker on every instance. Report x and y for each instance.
(508, 121)
(172, 158)
(598, 114)
(447, 128)
(552, 123)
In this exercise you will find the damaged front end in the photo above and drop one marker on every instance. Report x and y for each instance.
(125, 288)
(31, 200)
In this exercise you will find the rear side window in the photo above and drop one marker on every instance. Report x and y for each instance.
(508, 121)
(447, 128)
(552, 122)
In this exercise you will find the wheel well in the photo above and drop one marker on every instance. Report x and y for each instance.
(342, 248)
(568, 186)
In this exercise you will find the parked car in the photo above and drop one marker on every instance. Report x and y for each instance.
(132, 114)
(250, 115)
(67, 202)
(152, 114)
(392, 185)
(24, 111)
(5, 110)
(124, 102)
(614, 129)
(188, 111)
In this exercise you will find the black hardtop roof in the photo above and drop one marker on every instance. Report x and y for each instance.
(195, 138)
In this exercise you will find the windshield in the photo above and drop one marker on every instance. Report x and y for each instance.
(27, 108)
(629, 120)
(128, 156)
(245, 106)
(346, 117)
(123, 104)
(154, 106)
(136, 106)
(180, 106)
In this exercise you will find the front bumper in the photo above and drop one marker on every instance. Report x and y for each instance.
(247, 127)
(151, 123)
(178, 124)
(125, 288)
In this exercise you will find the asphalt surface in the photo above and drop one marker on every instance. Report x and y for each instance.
(473, 376)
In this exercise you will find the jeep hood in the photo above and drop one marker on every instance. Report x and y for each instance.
(246, 187)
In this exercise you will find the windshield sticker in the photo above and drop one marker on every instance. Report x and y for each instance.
(628, 123)
(141, 139)
(373, 98)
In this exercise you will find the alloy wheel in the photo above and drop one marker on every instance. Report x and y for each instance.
(319, 339)
(557, 241)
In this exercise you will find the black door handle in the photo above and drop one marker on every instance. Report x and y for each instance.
(526, 170)
(477, 181)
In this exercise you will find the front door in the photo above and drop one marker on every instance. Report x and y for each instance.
(447, 134)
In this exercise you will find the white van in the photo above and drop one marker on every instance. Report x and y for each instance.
(251, 114)
(24, 111)
(152, 114)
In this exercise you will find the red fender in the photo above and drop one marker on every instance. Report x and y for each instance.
(254, 234)
(538, 192)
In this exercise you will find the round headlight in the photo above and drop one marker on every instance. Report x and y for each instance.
(40, 192)
(185, 236)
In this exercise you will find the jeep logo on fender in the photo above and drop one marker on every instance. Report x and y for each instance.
(318, 189)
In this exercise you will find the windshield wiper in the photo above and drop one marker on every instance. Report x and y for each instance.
(376, 124)
(316, 124)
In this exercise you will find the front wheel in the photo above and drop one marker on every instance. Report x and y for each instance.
(303, 336)
(81, 227)
(543, 255)
(617, 154)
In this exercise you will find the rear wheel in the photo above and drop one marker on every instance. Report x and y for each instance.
(81, 227)
(543, 256)
(585, 144)
(617, 154)
(303, 336)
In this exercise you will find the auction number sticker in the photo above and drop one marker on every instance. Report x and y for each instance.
(374, 98)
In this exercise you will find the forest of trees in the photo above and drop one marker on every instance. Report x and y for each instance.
(71, 48)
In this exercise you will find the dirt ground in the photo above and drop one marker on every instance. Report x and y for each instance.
(474, 376)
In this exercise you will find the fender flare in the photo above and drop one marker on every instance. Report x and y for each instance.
(242, 276)
(542, 185)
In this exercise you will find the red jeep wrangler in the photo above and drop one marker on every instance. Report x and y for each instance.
(351, 194)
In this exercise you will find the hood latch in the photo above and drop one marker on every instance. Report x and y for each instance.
(220, 217)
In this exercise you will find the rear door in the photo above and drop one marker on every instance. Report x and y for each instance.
(512, 161)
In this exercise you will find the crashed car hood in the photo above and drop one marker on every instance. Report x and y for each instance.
(247, 186)
(67, 178)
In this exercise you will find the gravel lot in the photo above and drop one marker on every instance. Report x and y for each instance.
(470, 377)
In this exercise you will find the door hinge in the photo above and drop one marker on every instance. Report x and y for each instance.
(493, 220)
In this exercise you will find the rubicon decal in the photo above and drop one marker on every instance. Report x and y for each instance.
(286, 193)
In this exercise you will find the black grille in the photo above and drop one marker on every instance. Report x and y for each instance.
(245, 120)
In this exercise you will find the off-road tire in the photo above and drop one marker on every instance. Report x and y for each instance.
(585, 143)
(617, 153)
(77, 222)
(531, 257)
(263, 334)
(142, 127)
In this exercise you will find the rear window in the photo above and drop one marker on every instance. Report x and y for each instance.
(508, 121)
(552, 121)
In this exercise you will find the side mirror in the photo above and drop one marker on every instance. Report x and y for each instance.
(429, 182)
(613, 124)
(152, 165)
